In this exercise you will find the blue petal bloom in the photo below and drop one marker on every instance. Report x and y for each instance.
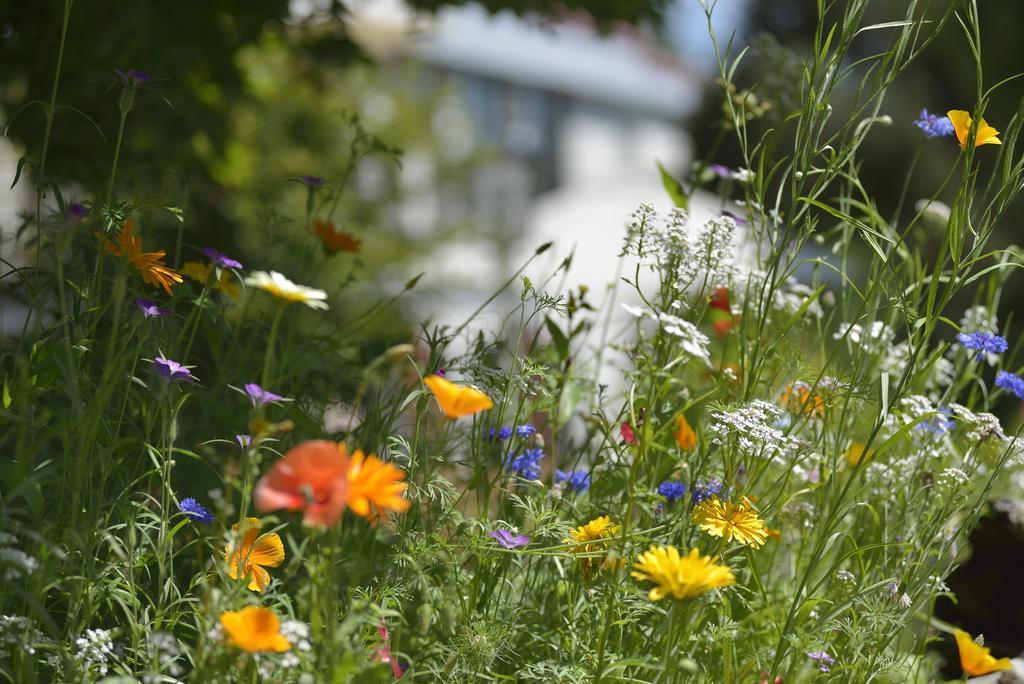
(577, 480)
(940, 424)
(195, 510)
(1011, 382)
(934, 125)
(706, 491)
(983, 343)
(672, 490)
(527, 464)
(525, 431)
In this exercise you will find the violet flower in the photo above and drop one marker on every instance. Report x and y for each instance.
(259, 396)
(508, 540)
(221, 259)
(150, 309)
(171, 370)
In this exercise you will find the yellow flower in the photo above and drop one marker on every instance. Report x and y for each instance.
(592, 538)
(200, 272)
(282, 288)
(254, 629)
(686, 438)
(961, 121)
(857, 453)
(975, 659)
(373, 481)
(255, 551)
(681, 576)
(150, 265)
(730, 521)
(457, 401)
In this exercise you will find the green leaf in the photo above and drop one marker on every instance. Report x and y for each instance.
(7, 395)
(559, 339)
(674, 188)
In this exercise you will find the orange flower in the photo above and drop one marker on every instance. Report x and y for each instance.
(150, 265)
(254, 629)
(686, 438)
(857, 453)
(798, 398)
(975, 659)
(335, 240)
(375, 487)
(200, 273)
(961, 121)
(312, 476)
(255, 551)
(457, 401)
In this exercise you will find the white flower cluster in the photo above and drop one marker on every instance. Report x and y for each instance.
(792, 295)
(713, 252)
(873, 338)
(754, 428)
(297, 634)
(95, 649)
(982, 426)
(165, 650)
(940, 373)
(693, 341)
(953, 477)
(17, 632)
(846, 577)
(16, 564)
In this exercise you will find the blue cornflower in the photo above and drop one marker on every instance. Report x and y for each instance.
(527, 464)
(940, 424)
(672, 490)
(525, 431)
(577, 480)
(983, 342)
(1012, 382)
(934, 125)
(195, 510)
(706, 491)
(503, 434)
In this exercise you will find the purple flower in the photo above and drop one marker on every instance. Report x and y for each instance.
(259, 396)
(133, 77)
(527, 464)
(75, 213)
(149, 309)
(171, 370)
(196, 511)
(1012, 382)
(721, 171)
(940, 424)
(244, 441)
(983, 342)
(672, 490)
(702, 492)
(525, 431)
(503, 434)
(823, 659)
(933, 125)
(313, 182)
(575, 481)
(221, 259)
(508, 540)
(441, 373)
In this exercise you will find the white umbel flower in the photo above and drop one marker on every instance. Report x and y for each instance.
(279, 286)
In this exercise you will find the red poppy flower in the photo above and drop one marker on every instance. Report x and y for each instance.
(627, 433)
(719, 299)
(312, 476)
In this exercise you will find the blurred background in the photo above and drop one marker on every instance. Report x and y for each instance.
(463, 134)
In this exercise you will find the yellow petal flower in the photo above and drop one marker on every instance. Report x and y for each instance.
(373, 481)
(196, 270)
(857, 453)
(977, 660)
(961, 121)
(252, 553)
(686, 438)
(596, 530)
(254, 629)
(457, 401)
(680, 576)
(730, 521)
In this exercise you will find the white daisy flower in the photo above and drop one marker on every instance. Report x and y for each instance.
(279, 286)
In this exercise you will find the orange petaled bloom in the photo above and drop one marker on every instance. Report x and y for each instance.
(457, 401)
(798, 398)
(150, 265)
(857, 453)
(312, 476)
(375, 487)
(254, 629)
(730, 521)
(962, 121)
(253, 553)
(975, 659)
(335, 240)
(686, 438)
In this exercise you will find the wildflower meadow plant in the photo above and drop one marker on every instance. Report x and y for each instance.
(775, 488)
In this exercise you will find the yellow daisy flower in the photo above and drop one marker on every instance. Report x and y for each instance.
(975, 659)
(254, 629)
(680, 576)
(962, 121)
(591, 538)
(282, 288)
(730, 521)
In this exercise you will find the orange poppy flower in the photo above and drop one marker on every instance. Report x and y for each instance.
(798, 398)
(975, 659)
(311, 476)
(254, 629)
(457, 401)
(686, 438)
(253, 553)
(962, 121)
(375, 487)
(335, 240)
(150, 265)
